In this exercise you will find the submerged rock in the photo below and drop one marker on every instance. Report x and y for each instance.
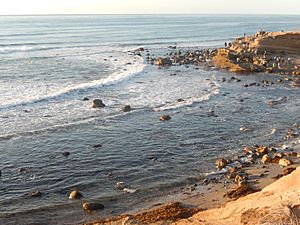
(120, 185)
(0, 173)
(75, 195)
(65, 154)
(97, 146)
(97, 103)
(86, 99)
(92, 206)
(277, 102)
(23, 170)
(36, 194)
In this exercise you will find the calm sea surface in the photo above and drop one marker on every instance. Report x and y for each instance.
(49, 64)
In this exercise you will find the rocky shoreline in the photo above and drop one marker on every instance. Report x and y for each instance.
(263, 52)
(252, 171)
(255, 169)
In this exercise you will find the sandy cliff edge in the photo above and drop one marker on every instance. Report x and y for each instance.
(279, 201)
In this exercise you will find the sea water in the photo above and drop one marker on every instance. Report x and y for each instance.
(49, 64)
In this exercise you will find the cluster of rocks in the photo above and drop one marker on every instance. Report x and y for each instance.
(243, 55)
(197, 57)
(98, 103)
(234, 169)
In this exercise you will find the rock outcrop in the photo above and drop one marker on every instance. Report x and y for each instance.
(270, 52)
(279, 201)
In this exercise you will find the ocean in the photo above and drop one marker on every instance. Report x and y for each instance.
(49, 64)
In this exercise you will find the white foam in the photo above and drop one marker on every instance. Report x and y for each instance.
(22, 48)
(189, 102)
(214, 90)
(118, 76)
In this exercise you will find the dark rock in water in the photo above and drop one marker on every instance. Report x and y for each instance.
(164, 118)
(97, 146)
(97, 103)
(223, 79)
(126, 108)
(152, 158)
(120, 185)
(163, 62)
(0, 173)
(277, 102)
(92, 206)
(252, 84)
(75, 195)
(65, 154)
(23, 170)
(85, 99)
(180, 100)
(35, 194)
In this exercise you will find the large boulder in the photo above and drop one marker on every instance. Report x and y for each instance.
(97, 103)
(92, 206)
(163, 62)
(266, 159)
(126, 108)
(285, 162)
(75, 195)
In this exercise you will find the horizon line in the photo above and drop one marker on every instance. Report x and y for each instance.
(141, 14)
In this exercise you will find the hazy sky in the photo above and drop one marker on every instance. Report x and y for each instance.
(148, 6)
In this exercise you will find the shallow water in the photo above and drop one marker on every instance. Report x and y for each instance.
(49, 64)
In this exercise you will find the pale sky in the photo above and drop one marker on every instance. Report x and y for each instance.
(16, 7)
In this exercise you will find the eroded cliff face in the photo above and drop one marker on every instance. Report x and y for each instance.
(272, 52)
